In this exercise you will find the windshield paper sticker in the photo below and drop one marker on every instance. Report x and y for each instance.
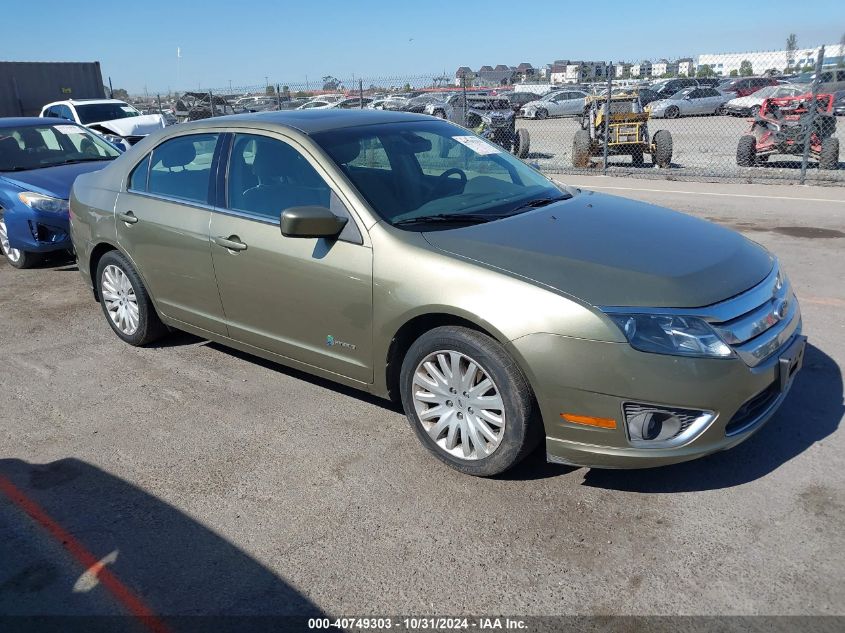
(478, 145)
(68, 129)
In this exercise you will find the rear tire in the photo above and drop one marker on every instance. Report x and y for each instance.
(673, 112)
(477, 430)
(541, 114)
(581, 149)
(746, 151)
(662, 156)
(125, 301)
(829, 154)
(522, 144)
(16, 257)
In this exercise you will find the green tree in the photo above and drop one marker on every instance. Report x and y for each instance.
(791, 47)
(705, 70)
(120, 93)
(745, 68)
(331, 83)
(733, 73)
(269, 91)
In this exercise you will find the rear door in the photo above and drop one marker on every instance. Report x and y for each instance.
(307, 299)
(162, 220)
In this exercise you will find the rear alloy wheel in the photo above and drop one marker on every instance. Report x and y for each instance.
(746, 151)
(541, 114)
(125, 302)
(829, 154)
(523, 143)
(754, 111)
(467, 401)
(662, 156)
(440, 114)
(673, 112)
(15, 256)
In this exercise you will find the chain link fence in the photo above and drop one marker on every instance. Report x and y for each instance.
(750, 117)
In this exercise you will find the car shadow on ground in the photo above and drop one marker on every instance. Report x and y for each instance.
(88, 548)
(812, 411)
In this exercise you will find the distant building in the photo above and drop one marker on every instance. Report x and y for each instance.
(686, 66)
(526, 71)
(565, 71)
(464, 73)
(621, 69)
(641, 69)
(724, 63)
(664, 67)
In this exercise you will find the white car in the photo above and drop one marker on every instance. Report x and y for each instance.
(115, 120)
(556, 103)
(750, 105)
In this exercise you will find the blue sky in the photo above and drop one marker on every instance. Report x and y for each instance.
(287, 41)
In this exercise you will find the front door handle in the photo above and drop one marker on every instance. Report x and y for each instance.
(128, 217)
(233, 243)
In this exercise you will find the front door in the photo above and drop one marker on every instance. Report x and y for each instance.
(307, 299)
(162, 222)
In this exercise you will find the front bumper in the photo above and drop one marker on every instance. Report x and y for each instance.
(582, 377)
(36, 231)
(736, 110)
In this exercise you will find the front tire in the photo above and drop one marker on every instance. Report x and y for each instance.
(673, 112)
(829, 154)
(581, 145)
(468, 401)
(125, 301)
(523, 143)
(746, 151)
(16, 257)
(662, 156)
(541, 114)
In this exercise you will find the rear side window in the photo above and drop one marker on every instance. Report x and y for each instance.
(181, 167)
(138, 177)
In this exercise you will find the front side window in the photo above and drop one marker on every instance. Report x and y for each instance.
(267, 176)
(434, 168)
(181, 167)
(138, 177)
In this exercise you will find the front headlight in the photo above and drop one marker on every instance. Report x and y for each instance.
(669, 334)
(40, 202)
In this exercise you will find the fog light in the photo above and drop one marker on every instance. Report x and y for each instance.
(662, 427)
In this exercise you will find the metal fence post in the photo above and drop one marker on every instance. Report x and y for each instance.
(464, 90)
(607, 116)
(160, 110)
(361, 93)
(278, 98)
(211, 103)
(813, 115)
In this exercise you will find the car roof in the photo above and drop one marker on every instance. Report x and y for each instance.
(82, 101)
(24, 121)
(310, 121)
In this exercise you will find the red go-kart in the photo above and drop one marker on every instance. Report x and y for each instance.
(782, 126)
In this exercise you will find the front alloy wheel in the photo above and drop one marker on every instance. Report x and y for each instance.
(15, 256)
(458, 405)
(468, 401)
(120, 301)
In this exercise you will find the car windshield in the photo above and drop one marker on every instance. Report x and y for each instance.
(414, 171)
(96, 112)
(681, 94)
(768, 91)
(38, 146)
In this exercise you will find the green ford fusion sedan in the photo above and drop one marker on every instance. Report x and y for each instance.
(405, 256)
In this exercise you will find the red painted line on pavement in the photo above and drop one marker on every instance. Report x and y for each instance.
(121, 592)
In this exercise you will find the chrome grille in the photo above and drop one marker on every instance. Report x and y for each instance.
(759, 322)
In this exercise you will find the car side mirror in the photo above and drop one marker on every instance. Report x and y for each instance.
(311, 222)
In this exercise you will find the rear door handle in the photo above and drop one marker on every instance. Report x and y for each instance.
(128, 217)
(233, 243)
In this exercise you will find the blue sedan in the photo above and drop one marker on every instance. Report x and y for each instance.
(39, 160)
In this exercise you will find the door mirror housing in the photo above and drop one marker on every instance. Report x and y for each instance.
(311, 222)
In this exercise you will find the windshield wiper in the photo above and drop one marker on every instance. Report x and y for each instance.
(83, 160)
(536, 203)
(451, 218)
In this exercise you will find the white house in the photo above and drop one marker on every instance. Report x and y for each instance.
(686, 66)
(664, 67)
(621, 68)
(641, 69)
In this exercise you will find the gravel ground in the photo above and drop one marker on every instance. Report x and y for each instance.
(212, 482)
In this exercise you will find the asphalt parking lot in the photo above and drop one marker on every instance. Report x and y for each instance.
(703, 146)
(207, 481)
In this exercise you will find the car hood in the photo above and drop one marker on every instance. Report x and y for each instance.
(748, 100)
(133, 126)
(610, 251)
(535, 104)
(52, 181)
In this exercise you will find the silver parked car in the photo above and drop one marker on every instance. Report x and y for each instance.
(689, 101)
(557, 103)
